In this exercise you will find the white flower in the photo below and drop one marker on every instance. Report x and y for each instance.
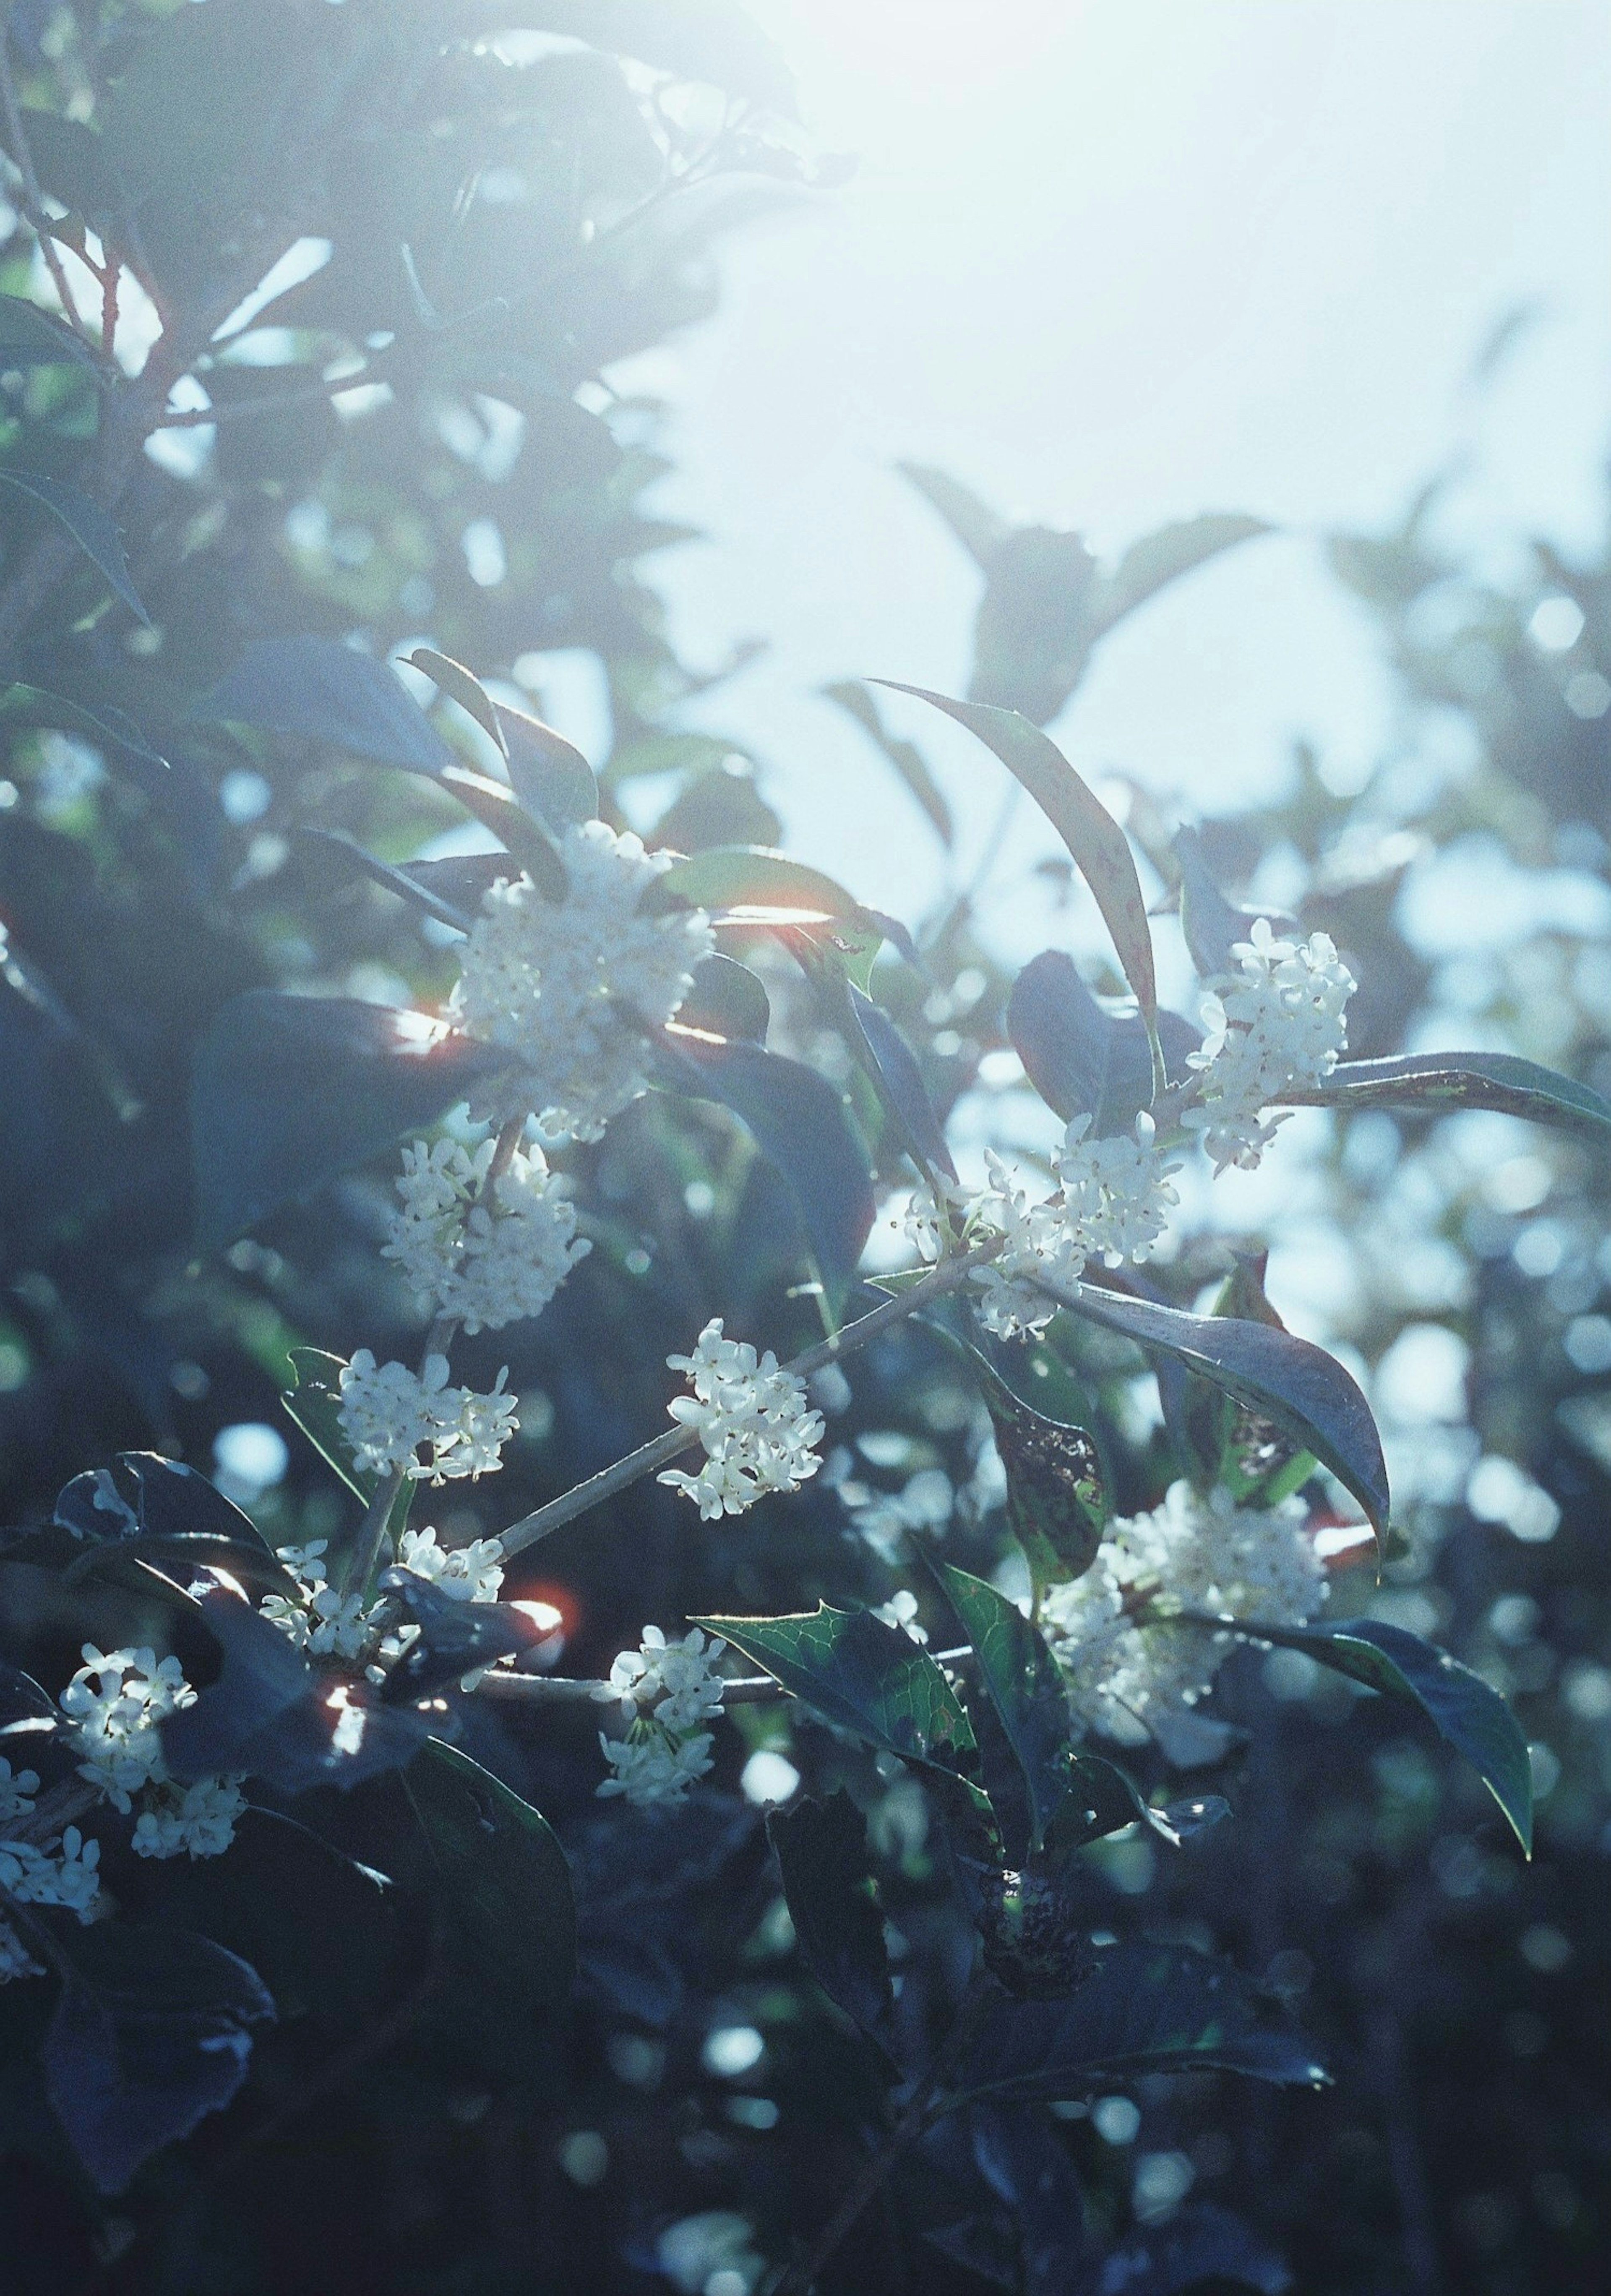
(1127, 1666)
(1279, 1020)
(36, 1878)
(677, 1681)
(752, 1419)
(199, 1818)
(1113, 1204)
(472, 1573)
(115, 1702)
(653, 1767)
(318, 1618)
(902, 1611)
(388, 1413)
(487, 1264)
(16, 1791)
(571, 985)
(15, 1959)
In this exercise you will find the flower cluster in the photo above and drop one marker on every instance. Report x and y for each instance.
(1128, 1666)
(68, 1878)
(1113, 1204)
(471, 1573)
(390, 1414)
(16, 1791)
(318, 1618)
(1279, 1020)
(667, 1691)
(570, 987)
(752, 1420)
(485, 1263)
(115, 1704)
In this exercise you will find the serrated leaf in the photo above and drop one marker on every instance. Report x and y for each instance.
(907, 760)
(1148, 2008)
(325, 691)
(1467, 1711)
(1097, 845)
(1082, 1058)
(1437, 1084)
(1021, 1679)
(90, 526)
(1306, 1392)
(821, 1852)
(1165, 554)
(502, 1884)
(288, 1092)
(548, 773)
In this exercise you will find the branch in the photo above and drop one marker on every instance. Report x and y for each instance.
(33, 196)
(649, 1456)
(571, 1690)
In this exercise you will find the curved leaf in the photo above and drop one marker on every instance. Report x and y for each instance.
(32, 705)
(1163, 556)
(749, 885)
(1211, 924)
(1305, 1391)
(90, 526)
(1082, 1059)
(465, 687)
(314, 1404)
(287, 1092)
(326, 691)
(727, 1000)
(1097, 845)
(895, 1066)
(1437, 1084)
(548, 773)
(30, 336)
(1467, 1711)
(821, 1852)
(411, 888)
(1148, 2008)
(908, 761)
(454, 1637)
(1021, 1676)
(527, 841)
(980, 530)
(504, 1886)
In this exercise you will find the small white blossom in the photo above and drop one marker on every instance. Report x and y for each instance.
(388, 1413)
(1113, 1205)
(675, 1681)
(1279, 1020)
(115, 1702)
(902, 1611)
(1127, 1667)
(1116, 1196)
(318, 1618)
(654, 1768)
(16, 1791)
(485, 1263)
(752, 1419)
(15, 1959)
(472, 1573)
(571, 986)
(36, 1877)
(198, 1819)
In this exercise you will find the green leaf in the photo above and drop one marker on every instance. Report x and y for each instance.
(288, 1092)
(502, 1884)
(748, 884)
(1021, 1679)
(980, 530)
(864, 1677)
(549, 775)
(908, 761)
(32, 705)
(326, 691)
(314, 1405)
(527, 841)
(727, 1000)
(1082, 1057)
(885, 1052)
(1056, 1503)
(822, 1853)
(1163, 556)
(465, 687)
(32, 337)
(1097, 845)
(1437, 1084)
(1242, 1449)
(1147, 2009)
(1467, 1711)
(1305, 1391)
(89, 525)
(412, 890)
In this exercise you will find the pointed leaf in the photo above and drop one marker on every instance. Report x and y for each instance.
(1162, 557)
(526, 837)
(896, 1069)
(30, 336)
(1437, 1084)
(32, 705)
(89, 525)
(1082, 1058)
(1305, 1391)
(314, 1405)
(548, 773)
(465, 687)
(502, 1884)
(1097, 845)
(454, 1638)
(908, 761)
(1470, 1714)
(980, 530)
(1148, 2008)
(288, 1092)
(1211, 924)
(326, 691)
(1056, 1503)
(1021, 1679)
(411, 888)
(749, 885)
(727, 1000)
(822, 1853)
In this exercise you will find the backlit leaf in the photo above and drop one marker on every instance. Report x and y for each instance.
(327, 691)
(1437, 1084)
(90, 526)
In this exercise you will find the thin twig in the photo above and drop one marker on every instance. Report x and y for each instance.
(650, 1456)
(572, 1690)
(33, 196)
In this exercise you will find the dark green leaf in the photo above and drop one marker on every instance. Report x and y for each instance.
(504, 1886)
(151, 2033)
(727, 1000)
(32, 337)
(1148, 2008)
(1097, 845)
(548, 773)
(327, 691)
(314, 1403)
(527, 841)
(1305, 1391)
(901, 1081)
(290, 1091)
(1083, 1058)
(1162, 557)
(822, 1853)
(88, 524)
(1437, 1084)
(905, 756)
(454, 1637)
(465, 687)
(1469, 1714)
(746, 884)
(1056, 1503)
(30, 705)
(461, 879)
(409, 887)
(1021, 1679)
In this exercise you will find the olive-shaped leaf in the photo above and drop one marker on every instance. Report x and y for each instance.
(30, 336)
(454, 1637)
(502, 1883)
(900, 1079)
(288, 1092)
(1056, 1503)
(1083, 1058)
(1019, 1675)
(726, 1001)
(1097, 845)
(90, 526)
(1438, 1084)
(314, 1403)
(1169, 552)
(821, 1852)
(908, 761)
(548, 773)
(748, 884)
(529, 841)
(417, 892)
(465, 687)
(1467, 1711)
(326, 691)
(1307, 1393)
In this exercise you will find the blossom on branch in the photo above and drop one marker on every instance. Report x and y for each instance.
(16, 1791)
(654, 1768)
(1114, 1203)
(471, 1573)
(1279, 1020)
(114, 1703)
(675, 1681)
(318, 1618)
(68, 1878)
(571, 986)
(198, 1819)
(485, 1263)
(751, 1417)
(390, 1414)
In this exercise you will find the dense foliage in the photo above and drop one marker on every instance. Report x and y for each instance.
(1004, 1862)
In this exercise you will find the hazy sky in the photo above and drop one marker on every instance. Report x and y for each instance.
(1112, 262)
